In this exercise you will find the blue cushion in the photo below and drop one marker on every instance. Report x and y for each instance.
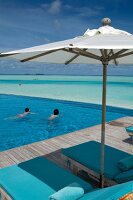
(124, 176)
(71, 192)
(129, 129)
(110, 193)
(37, 179)
(89, 154)
(126, 163)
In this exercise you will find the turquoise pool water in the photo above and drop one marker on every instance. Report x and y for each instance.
(73, 88)
(36, 127)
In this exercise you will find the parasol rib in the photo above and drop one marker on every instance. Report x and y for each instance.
(115, 55)
(82, 53)
(39, 55)
(6, 55)
(115, 61)
(73, 58)
(125, 54)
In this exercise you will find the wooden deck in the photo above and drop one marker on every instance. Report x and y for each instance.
(116, 136)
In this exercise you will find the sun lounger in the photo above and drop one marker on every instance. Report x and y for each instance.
(116, 192)
(86, 157)
(36, 179)
(130, 131)
(39, 178)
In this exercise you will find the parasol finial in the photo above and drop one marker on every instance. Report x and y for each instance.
(106, 21)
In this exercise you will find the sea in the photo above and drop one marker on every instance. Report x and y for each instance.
(73, 88)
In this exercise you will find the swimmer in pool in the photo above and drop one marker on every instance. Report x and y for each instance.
(27, 111)
(54, 115)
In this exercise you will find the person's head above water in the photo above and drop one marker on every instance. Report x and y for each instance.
(27, 110)
(56, 112)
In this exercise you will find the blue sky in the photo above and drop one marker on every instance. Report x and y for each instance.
(25, 23)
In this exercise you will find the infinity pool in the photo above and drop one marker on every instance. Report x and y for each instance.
(35, 127)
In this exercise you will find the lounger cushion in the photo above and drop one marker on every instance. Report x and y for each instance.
(36, 179)
(89, 154)
(126, 163)
(129, 129)
(73, 191)
(110, 193)
(124, 176)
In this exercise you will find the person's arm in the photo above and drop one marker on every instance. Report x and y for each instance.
(51, 117)
(32, 113)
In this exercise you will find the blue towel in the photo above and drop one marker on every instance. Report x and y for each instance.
(71, 192)
(126, 163)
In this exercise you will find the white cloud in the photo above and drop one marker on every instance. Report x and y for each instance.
(57, 24)
(15, 67)
(68, 7)
(84, 11)
(88, 12)
(53, 8)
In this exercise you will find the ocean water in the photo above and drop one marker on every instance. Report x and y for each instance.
(16, 132)
(74, 88)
